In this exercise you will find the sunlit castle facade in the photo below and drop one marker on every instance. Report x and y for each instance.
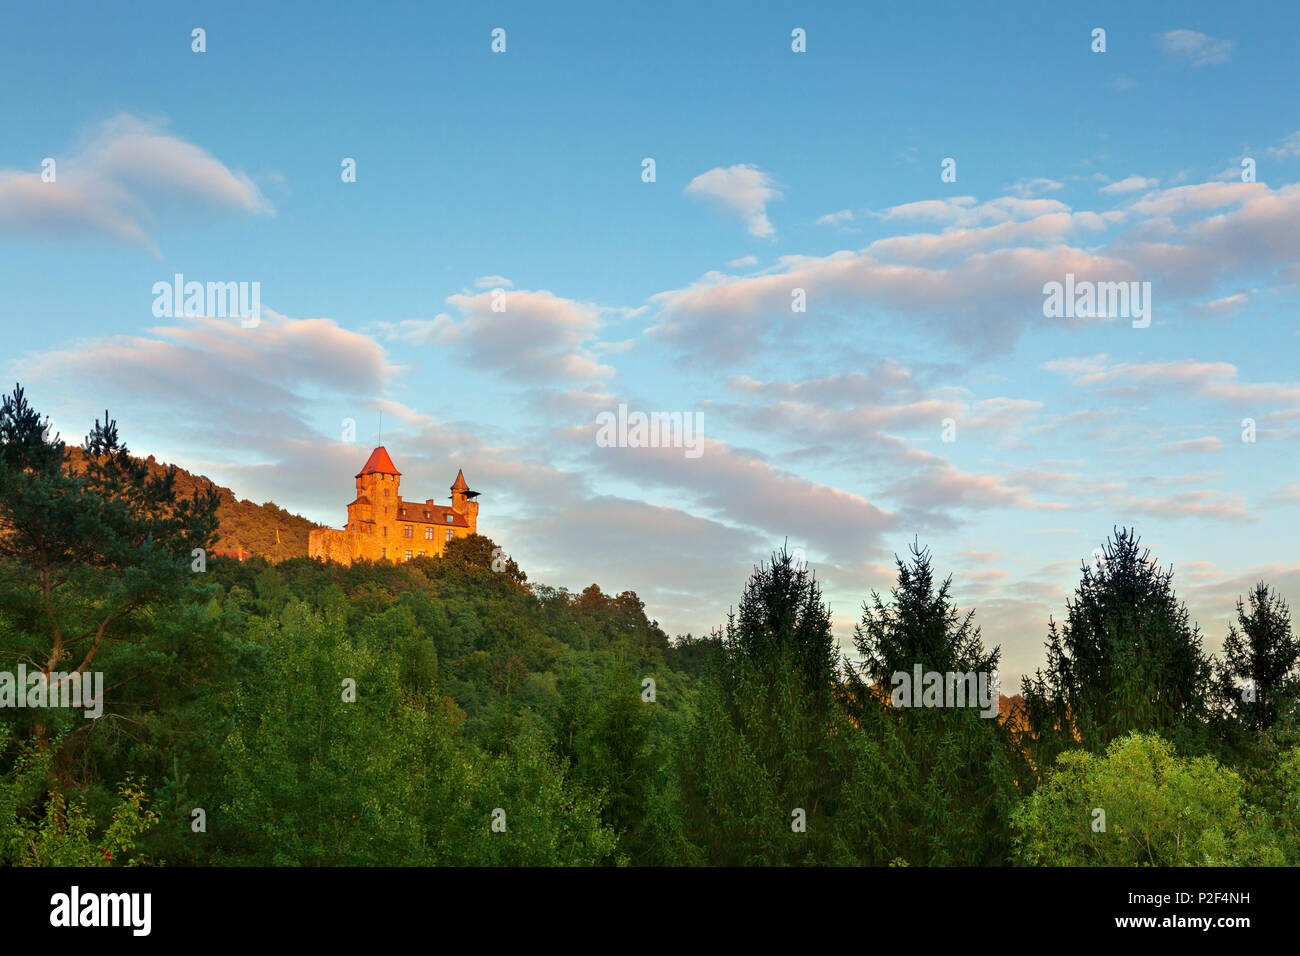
(381, 525)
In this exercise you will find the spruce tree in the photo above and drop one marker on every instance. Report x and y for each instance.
(1126, 658)
(782, 613)
(959, 766)
(920, 625)
(1258, 682)
(760, 772)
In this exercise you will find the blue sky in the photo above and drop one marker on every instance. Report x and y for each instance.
(775, 171)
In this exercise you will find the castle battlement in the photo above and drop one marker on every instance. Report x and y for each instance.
(382, 525)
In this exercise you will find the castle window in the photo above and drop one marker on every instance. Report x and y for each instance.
(408, 556)
(385, 492)
(448, 534)
(407, 531)
(421, 554)
(385, 530)
(428, 534)
(450, 519)
(383, 552)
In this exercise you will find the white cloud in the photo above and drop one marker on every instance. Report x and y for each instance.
(1208, 443)
(742, 190)
(1198, 49)
(1129, 185)
(1288, 148)
(115, 182)
(1030, 188)
(536, 337)
(835, 218)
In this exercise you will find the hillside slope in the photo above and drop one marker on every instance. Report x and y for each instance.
(243, 524)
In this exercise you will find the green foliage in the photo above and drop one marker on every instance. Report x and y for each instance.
(49, 829)
(1258, 682)
(498, 721)
(89, 551)
(758, 759)
(1160, 810)
(957, 769)
(383, 779)
(1127, 658)
(920, 625)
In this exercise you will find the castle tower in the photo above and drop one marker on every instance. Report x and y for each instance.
(382, 526)
(462, 501)
(378, 482)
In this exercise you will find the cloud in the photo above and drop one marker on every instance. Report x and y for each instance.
(1200, 504)
(1213, 381)
(976, 281)
(1197, 198)
(835, 218)
(1195, 48)
(742, 190)
(931, 494)
(1225, 304)
(1129, 185)
(687, 568)
(1208, 443)
(966, 211)
(743, 489)
(979, 303)
(1287, 149)
(116, 182)
(886, 378)
(1030, 188)
(528, 336)
(206, 389)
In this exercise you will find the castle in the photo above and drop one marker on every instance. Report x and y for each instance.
(383, 526)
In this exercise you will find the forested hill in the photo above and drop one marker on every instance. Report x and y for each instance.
(243, 524)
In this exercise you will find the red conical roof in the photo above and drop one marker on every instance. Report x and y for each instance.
(460, 484)
(378, 463)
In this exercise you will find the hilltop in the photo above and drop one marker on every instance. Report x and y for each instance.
(243, 524)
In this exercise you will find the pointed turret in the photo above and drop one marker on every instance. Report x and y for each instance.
(462, 500)
(379, 463)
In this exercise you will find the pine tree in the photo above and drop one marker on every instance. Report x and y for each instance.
(90, 547)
